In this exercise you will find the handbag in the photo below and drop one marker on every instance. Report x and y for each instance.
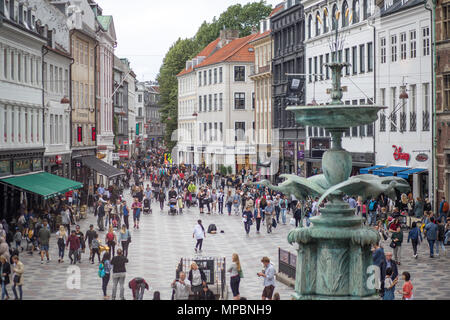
(274, 223)
(393, 245)
(241, 274)
(16, 278)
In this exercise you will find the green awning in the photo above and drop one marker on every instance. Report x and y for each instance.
(45, 184)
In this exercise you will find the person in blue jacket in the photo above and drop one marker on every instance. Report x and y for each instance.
(431, 230)
(414, 235)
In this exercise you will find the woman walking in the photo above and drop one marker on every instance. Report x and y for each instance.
(258, 216)
(397, 238)
(161, 198)
(247, 218)
(199, 234)
(62, 240)
(126, 213)
(5, 271)
(111, 240)
(124, 236)
(106, 261)
(229, 202)
(214, 201)
(414, 235)
(235, 276)
(18, 270)
(298, 214)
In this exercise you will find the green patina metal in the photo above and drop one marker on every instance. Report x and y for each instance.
(334, 254)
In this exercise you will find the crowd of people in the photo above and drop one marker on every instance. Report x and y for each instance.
(242, 195)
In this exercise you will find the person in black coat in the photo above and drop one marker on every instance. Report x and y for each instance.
(387, 263)
(206, 294)
(5, 271)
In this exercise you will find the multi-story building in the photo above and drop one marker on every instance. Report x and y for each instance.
(355, 47)
(224, 94)
(442, 124)
(403, 140)
(57, 156)
(148, 97)
(105, 61)
(288, 25)
(261, 74)
(21, 94)
(135, 133)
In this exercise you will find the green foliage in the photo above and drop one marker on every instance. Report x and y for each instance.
(230, 170)
(223, 170)
(237, 17)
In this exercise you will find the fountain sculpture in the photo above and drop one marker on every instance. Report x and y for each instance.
(334, 254)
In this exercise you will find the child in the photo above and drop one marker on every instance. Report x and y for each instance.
(389, 285)
(407, 287)
(18, 239)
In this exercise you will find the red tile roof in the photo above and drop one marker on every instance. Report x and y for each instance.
(206, 52)
(261, 35)
(277, 9)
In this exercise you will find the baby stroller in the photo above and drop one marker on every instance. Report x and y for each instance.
(173, 206)
(147, 208)
(194, 200)
(115, 221)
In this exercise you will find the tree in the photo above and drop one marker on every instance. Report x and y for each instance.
(237, 17)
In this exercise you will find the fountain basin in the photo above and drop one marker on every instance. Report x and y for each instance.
(336, 116)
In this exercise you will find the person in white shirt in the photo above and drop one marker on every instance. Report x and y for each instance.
(181, 287)
(199, 234)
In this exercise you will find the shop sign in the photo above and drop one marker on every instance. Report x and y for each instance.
(421, 157)
(115, 157)
(21, 166)
(37, 164)
(125, 142)
(5, 167)
(58, 160)
(399, 155)
(123, 153)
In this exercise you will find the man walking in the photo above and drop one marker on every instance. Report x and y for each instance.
(119, 273)
(100, 215)
(431, 230)
(269, 278)
(44, 239)
(269, 212)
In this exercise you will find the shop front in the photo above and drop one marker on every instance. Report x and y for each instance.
(317, 147)
(59, 164)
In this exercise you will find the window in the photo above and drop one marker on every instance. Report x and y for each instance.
(327, 70)
(426, 104)
(370, 130)
(310, 69)
(220, 75)
(215, 131)
(51, 78)
(446, 21)
(220, 101)
(140, 98)
(412, 108)
(215, 75)
(356, 15)
(210, 131)
(426, 41)
(215, 101)
(334, 21)
(446, 102)
(347, 60)
(239, 101)
(309, 26)
(315, 69)
(325, 20)
(200, 103)
(394, 48)
(317, 23)
(383, 50)
(343, 11)
(321, 67)
(354, 60)
(60, 81)
(200, 79)
(205, 102)
(365, 9)
(369, 57)
(239, 129)
(403, 46)
(204, 78)
(412, 44)
(393, 106)
(221, 130)
(210, 76)
(19, 67)
(239, 73)
(12, 64)
(354, 131)
(362, 131)
(210, 102)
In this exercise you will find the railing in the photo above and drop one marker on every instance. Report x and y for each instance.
(412, 121)
(393, 122)
(425, 121)
(287, 263)
(402, 122)
(382, 123)
(214, 269)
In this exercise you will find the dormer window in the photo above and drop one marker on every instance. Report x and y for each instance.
(21, 13)
(7, 8)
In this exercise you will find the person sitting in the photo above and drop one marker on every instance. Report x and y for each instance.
(206, 294)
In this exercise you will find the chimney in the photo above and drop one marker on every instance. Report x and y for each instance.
(226, 36)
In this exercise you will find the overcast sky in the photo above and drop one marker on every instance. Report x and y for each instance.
(147, 28)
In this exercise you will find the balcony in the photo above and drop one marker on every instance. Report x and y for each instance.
(255, 70)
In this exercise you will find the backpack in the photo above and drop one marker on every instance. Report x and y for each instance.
(283, 203)
(372, 206)
(110, 236)
(101, 270)
(212, 227)
(445, 207)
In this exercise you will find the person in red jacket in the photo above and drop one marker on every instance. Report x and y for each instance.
(73, 243)
(137, 286)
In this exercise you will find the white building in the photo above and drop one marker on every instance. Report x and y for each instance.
(358, 50)
(403, 65)
(21, 105)
(222, 103)
(57, 59)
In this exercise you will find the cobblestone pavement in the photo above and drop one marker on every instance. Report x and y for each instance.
(162, 240)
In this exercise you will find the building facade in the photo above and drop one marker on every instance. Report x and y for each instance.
(356, 48)
(21, 98)
(442, 124)
(288, 27)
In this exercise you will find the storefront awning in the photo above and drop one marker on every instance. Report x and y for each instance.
(44, 184)
(366, 170)
(101, 167)
(407, 173)
(388, 171)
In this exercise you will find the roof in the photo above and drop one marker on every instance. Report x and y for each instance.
(104, 21)
(399, 5)
(206, 52)
(235, 51)
(278, 8)
(262, 35)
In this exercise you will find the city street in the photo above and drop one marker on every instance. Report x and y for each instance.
(162, 240)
